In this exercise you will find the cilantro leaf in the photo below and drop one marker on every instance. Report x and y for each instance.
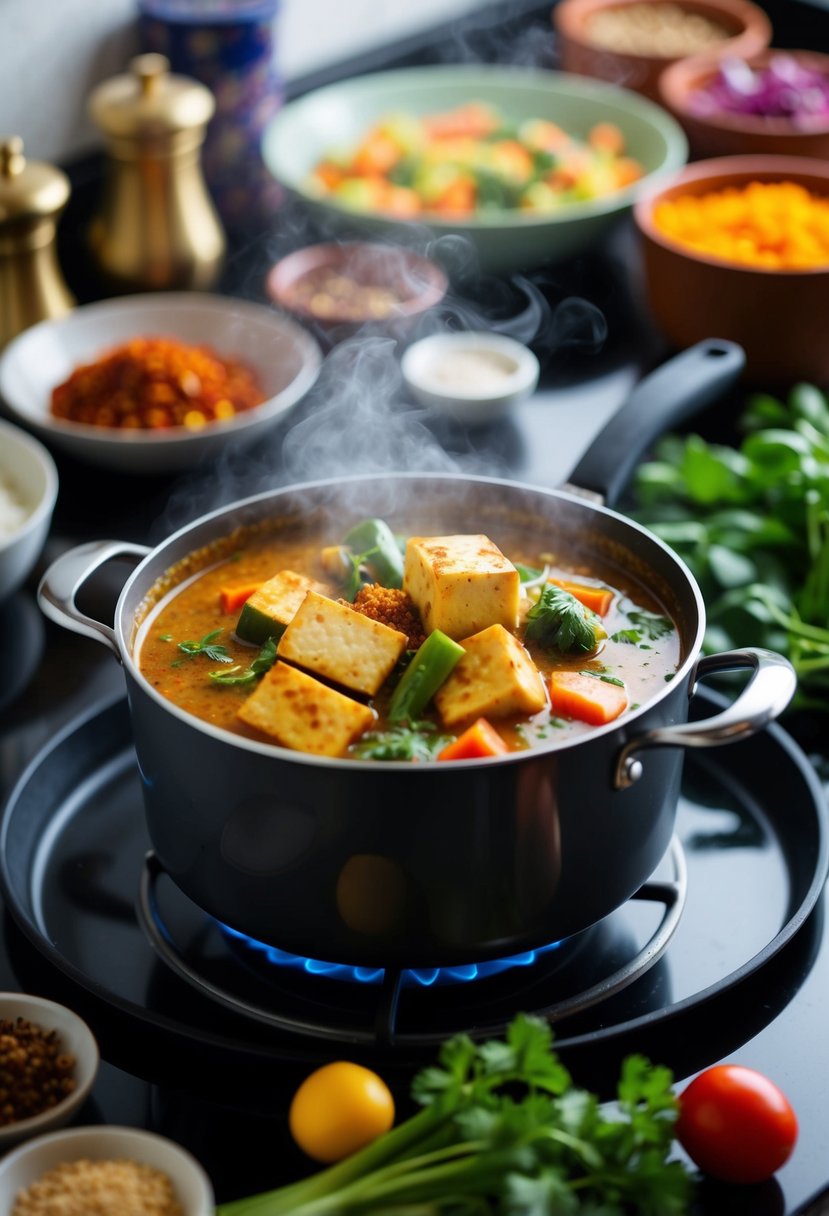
(559, 622)
(208, 647)
(239, 675)
(411, 741)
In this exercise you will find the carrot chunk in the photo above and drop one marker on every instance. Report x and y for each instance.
(232, 598)
(597, 599)
(575, 695)
(479, 740)
(606, 137)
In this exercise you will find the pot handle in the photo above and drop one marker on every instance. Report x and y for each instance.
(67, 574)
(677, 390)
(763, 699)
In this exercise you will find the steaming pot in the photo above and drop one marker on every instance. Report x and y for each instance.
(413, 865)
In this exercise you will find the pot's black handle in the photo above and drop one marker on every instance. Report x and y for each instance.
(664, 398)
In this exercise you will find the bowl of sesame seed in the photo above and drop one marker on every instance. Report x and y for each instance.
(48, 1065)
(106, 1169)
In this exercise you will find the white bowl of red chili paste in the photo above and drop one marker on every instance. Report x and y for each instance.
(157, 383)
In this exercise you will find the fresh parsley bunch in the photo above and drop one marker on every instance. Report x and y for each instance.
(752, 523)
(505, 1132)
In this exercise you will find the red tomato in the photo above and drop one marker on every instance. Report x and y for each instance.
(735, 1124)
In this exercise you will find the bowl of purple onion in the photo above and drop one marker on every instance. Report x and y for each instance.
(776, 102)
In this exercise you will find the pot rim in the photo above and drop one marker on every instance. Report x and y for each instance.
(126, 643)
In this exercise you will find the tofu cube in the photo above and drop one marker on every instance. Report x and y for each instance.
(496, 678)
(299, 712)
(333, 641)
(461, 584)
(266, 613)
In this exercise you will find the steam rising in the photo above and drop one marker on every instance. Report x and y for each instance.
(358, 420)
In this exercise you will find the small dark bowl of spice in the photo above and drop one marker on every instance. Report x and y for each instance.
(48, 1064)
(343, 288)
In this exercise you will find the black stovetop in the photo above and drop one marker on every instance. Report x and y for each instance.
(746, 977)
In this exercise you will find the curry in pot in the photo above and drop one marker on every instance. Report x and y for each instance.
(375, 646)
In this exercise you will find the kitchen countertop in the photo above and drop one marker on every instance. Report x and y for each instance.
(52, 676)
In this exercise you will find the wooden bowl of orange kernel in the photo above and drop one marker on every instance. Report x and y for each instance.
(738, 247)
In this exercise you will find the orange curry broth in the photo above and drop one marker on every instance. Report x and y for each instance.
(192, 610)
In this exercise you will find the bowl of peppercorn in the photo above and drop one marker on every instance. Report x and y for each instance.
(157, 383)
(48, 1064)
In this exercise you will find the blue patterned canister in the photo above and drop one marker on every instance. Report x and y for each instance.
(229, 46)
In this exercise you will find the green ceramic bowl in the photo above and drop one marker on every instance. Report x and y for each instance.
(340, 114)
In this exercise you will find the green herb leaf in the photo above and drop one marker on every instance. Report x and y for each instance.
(410, 741)
(237, 675)
(753, 525)
(602, 675)
(651, 624)
(208, 647)
(559, 622)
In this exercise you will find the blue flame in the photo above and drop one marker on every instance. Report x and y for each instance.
(425, 977)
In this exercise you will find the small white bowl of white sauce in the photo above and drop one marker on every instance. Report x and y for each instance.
(472, 377)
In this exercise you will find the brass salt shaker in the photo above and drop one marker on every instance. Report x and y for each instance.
(157, 227)
(32, 197)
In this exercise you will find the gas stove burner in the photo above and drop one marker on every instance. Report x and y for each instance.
(752, 821)
(595, 965)
(426, 977)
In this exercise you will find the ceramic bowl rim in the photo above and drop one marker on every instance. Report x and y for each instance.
(720, 171)
(11, 433)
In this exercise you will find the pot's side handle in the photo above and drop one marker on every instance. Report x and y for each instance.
(664, 398)
(68, 573)
(763, 699)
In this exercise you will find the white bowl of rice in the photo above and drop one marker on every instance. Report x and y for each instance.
(28, 492)
(104, 1169)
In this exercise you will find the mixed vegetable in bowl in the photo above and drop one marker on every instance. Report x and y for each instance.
(375, 646)
(472, 160)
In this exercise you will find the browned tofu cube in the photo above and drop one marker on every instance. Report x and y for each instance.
(339, 644)
(299, 712)
(496, 678)
(461, 584)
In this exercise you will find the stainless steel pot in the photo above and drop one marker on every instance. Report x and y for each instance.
(388, 864)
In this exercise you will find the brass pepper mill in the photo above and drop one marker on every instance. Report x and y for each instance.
(32, 196)
(157, 227)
